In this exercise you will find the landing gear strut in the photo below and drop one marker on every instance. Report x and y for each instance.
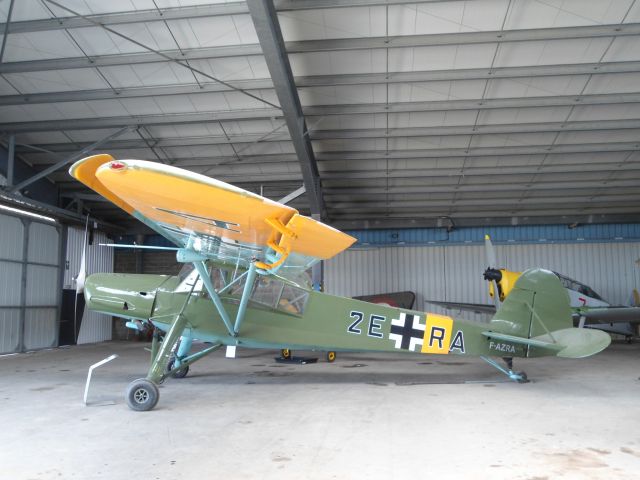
(519, 377)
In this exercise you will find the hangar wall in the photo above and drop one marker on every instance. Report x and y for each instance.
(96, 327)
(454, 272)
(30, 281)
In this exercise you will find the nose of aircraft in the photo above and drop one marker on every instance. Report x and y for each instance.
(123, 295)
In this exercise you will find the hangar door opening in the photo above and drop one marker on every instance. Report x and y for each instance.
(30, 283)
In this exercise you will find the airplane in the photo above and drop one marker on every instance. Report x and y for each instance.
(589, 309)
(242, 284)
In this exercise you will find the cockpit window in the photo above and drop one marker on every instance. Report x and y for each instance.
(293, 300)
(576, 286)
(267, 290)
(274, 293)
(188, 281)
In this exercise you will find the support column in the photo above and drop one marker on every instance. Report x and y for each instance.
(11, 160)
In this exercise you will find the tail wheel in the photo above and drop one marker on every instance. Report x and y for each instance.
(331, 357)
(181, 373)
(285, 353)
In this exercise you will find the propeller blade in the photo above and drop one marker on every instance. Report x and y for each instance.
(490, 252)
(491, 274)
(80, 279)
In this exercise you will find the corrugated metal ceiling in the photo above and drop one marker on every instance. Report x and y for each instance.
(477, 111)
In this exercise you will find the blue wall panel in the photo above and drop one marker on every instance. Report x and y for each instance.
(509, 234)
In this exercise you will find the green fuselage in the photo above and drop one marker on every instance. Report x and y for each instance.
(322, 322)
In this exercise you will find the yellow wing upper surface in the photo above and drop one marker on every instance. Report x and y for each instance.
(186, 207)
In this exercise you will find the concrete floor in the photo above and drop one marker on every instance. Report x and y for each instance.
(364, 416)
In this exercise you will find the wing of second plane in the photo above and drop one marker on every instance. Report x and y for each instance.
(468, 307)
(611, 314)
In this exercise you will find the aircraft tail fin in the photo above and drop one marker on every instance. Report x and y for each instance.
(537, 313)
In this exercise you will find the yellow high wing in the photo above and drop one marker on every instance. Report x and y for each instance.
(196, 211)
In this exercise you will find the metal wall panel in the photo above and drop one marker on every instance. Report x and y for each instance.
(381, 270)
(454, 272)
(43, 244)
(42, 285)
(11, 237)
(26, 327)
(9, 330)
(10, 283)
(40, 328)
(96, 327)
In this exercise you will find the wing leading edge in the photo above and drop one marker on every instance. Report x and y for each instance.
(218, 220)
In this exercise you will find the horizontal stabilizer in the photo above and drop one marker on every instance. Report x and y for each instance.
(578, 342)
(569, 342)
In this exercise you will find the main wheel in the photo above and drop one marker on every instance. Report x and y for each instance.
(178, 373)
(331, 357)
(142, 395)
(285, 353)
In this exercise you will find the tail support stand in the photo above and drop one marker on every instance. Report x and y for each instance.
(519, 377)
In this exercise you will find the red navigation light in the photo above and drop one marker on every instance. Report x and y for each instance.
(117, 166)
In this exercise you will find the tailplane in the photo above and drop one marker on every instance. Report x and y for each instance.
(537, 314)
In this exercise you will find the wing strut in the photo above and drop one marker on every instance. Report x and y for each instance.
(244, 300)
(204, 274)
(246, 293)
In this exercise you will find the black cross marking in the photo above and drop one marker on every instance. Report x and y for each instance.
(407, 331)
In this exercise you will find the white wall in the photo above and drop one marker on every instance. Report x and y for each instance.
(454, 273)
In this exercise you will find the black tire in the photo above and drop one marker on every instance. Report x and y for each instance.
(142, 395)
(331, 357)
(285, 353)
(178, 373)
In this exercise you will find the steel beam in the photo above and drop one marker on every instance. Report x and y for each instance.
(469, 74)
(133, 92)
(357, 156)
(480, 151)
(487, 211)
(185, 55)
(51, 210)
(324, 110)
(292, 196)
(347, 192)
(464, 38)
(123, 18)
(367, 155)
(490, 129)
(265, 20)
(5, 29)
(287, 5)
(66, 161)
(11, 160)
(189, 12)
(299, 135)
(491, 202)
(471, 104)
(373, 78)
(140, 120)
(499, 171)
(479, 220)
